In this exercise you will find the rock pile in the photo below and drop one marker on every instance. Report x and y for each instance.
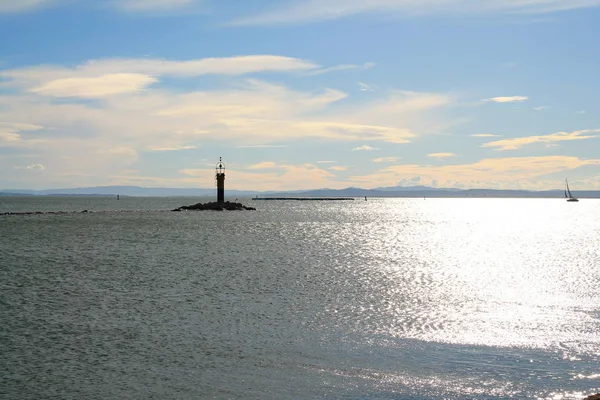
(215, 206)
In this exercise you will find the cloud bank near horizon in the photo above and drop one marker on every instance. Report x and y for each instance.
(113, 112)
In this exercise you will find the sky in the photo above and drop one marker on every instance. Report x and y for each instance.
(300, 94)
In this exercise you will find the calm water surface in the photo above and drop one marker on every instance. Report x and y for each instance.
(384, 299)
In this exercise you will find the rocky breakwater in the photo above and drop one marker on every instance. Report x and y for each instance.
(42, 212)
(215, 206)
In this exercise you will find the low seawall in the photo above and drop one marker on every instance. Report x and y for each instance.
(305, 198)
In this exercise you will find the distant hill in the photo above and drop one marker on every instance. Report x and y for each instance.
(414, 189)
(126, 191)
(14, 194)
(421, 191)
(397, 191)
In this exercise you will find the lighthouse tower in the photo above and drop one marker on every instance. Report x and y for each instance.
(220, 178)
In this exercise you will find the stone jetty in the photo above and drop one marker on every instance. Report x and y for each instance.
(43, 212)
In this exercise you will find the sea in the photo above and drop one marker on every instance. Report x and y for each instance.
(381, 299)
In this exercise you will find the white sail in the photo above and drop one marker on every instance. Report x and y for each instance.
(568, 194)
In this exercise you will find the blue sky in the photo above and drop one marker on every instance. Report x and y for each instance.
(300, 94)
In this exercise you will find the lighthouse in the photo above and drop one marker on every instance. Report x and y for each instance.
(220, 178)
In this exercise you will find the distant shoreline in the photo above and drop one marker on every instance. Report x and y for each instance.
(323, 198)
(351, 192)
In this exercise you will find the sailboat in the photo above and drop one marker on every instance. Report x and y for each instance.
(568, 194)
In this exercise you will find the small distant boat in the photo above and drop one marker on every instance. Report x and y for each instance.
(568, 195)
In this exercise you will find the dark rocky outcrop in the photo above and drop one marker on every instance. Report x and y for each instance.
(593, 397)
(38, 212)
(215, 206)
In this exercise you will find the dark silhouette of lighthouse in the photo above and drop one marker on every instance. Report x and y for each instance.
(220, 178)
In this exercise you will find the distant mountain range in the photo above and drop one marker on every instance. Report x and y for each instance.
(124, 191)
(396, 191)
(423, 191)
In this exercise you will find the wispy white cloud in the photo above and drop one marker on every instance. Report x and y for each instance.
(263, 165)
(9, 136)
(303, 11)
(441, 155)
(516, 143)
(262, 146)
(484, 135)
(386, 159)
(15, 6)
(154, 5)
(11, 133)
(101, 86)
(401, 110)
(174, 148)
(364, 87)
(529, 20)
(33, 167)
(144, 69)
(540, 108)
(108, 77)
(339, 168)
(511, 99)
(342, 67)
(121, 151)
(364, 148)
(20, 126)
(254, 106)
(37, 167)
(355, 131)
